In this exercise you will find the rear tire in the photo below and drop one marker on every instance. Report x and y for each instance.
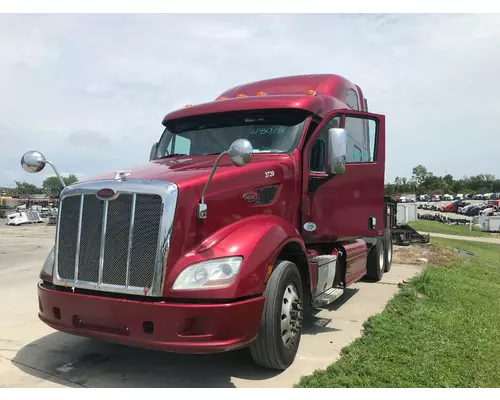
(280, 327)
(375, 264)
(388, 249)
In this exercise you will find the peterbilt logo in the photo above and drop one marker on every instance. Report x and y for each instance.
(106, 194)
(250, 197)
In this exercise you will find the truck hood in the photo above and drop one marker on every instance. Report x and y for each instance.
(186, 169)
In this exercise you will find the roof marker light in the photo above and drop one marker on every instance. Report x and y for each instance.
(222, 98)
(241, 95)
(261, 94)
(311, 92)
(188, 105)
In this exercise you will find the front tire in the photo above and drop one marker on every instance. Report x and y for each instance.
(375, 264)
(280, 329)
(388, 245)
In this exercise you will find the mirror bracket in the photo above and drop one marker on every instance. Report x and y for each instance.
(240, 153)
(316, 181)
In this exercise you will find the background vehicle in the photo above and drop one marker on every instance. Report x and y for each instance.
(254, 208)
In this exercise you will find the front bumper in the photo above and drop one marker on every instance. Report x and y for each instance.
(183, 328)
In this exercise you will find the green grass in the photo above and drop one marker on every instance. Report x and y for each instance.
(440, 330)
(437, 227)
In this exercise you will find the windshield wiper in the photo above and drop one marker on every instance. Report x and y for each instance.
(174, 155)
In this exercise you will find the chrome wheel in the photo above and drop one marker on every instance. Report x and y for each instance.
(291, 315)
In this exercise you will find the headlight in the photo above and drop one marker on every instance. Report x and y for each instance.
(210, 274)
(48, 265)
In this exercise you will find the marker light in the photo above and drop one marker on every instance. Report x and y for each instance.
(311, 92)
(221, 98)
(188, 105)
(241, 95)
(261, 94)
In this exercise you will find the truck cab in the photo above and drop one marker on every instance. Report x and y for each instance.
(253, 209)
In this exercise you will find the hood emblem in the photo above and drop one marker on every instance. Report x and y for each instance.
(106, 194)
(122, 175)
(250, 197)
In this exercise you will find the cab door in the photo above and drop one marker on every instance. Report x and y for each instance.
(349, 205)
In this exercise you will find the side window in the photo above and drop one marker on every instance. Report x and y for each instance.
(317, 151)
(357, 154)
(351, 98)
(361, 139)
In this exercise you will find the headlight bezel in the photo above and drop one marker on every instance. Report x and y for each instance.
(185, 280)
(49, 263)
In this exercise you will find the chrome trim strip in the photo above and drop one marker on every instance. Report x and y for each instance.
(169, 193)
(103, 241)
(78, 238)
(130, 238)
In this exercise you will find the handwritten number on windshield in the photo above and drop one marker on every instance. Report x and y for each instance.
(267, 130)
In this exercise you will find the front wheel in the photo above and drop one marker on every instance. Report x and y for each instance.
(281, 323)
(388, 245)
(376, 261)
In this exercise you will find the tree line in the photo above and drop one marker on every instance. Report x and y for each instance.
(51, 187)
(423, 181)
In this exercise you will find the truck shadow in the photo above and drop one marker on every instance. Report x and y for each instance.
(87, 362)
(79, 361)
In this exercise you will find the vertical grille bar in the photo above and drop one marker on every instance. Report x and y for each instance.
(79, 237)
(130, 238)
(103, 241)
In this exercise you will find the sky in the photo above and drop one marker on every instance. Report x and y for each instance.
(90, 91)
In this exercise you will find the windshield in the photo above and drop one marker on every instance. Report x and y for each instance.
(268, 131)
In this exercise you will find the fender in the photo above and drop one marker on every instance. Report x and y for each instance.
(258, 239)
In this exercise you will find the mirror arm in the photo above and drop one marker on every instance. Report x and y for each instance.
(202, 207)
(216, 164)
(57, 173)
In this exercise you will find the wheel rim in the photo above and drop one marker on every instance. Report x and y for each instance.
(291, 316)
(381, 258)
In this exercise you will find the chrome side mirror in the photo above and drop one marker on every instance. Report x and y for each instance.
(33, 162)
(154, 150)
(337, 151)
(240, 152)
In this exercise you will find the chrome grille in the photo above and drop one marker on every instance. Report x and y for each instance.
(117, 244)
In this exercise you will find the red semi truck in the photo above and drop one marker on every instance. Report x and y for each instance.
(254, 209)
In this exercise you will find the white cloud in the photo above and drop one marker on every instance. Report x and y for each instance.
(106, 81)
